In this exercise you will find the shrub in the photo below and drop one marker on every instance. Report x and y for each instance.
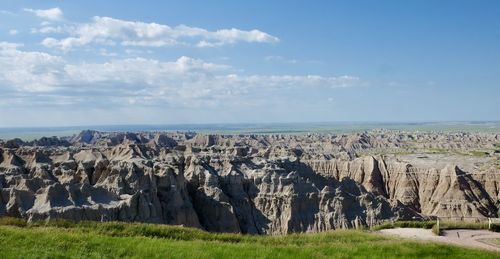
(495, 227)
(405, 224)
(8, 221)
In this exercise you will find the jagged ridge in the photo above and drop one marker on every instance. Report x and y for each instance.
(250, 184)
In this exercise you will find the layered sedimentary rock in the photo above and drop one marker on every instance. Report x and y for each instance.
(272, 184)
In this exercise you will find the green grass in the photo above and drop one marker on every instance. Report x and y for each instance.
(474, 153)
(437, 151)
(405, 224)
(479, 153)
(60, 239)
(464, 225)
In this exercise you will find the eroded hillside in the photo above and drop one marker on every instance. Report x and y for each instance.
(258, 184)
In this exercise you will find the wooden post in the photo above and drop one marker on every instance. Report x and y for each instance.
(371, 221)
(489, 223)
(438, 227)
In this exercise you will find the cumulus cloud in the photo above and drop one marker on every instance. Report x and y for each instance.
(52, 14)
(28, 71)
(107, 30)
(13, 31)
(37, 78)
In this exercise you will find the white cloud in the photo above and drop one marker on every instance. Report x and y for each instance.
(52, 14)
(137, 51)
(105, 30)
(9, 46)
(37, 78)
(50, 29)
(28, 71)
(13, 31)
(106, 53)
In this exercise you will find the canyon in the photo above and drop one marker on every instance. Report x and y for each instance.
(252, 184)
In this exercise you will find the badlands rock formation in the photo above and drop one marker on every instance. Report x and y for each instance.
(259, 184)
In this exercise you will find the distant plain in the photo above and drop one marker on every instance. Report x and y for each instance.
(30, 133)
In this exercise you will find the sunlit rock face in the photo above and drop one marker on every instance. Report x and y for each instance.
(254, 184)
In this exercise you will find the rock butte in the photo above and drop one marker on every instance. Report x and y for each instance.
(258, 184)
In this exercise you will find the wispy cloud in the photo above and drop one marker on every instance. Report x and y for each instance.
(5, 12)
(110, 31)
(48, 29)
(281, 59)
(52, 14)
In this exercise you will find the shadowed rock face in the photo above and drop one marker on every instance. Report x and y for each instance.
(247, 184)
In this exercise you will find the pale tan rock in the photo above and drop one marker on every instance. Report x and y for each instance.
(254, 184)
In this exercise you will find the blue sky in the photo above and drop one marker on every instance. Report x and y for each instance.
(69, 63)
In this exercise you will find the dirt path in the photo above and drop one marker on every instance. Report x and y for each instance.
(462, 237)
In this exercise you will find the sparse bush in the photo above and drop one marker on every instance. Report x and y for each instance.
(479, 153)
(463, 225)
(495, 227)
(9, 221)
(405, 224)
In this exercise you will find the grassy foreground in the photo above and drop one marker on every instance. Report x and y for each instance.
(114, 239)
